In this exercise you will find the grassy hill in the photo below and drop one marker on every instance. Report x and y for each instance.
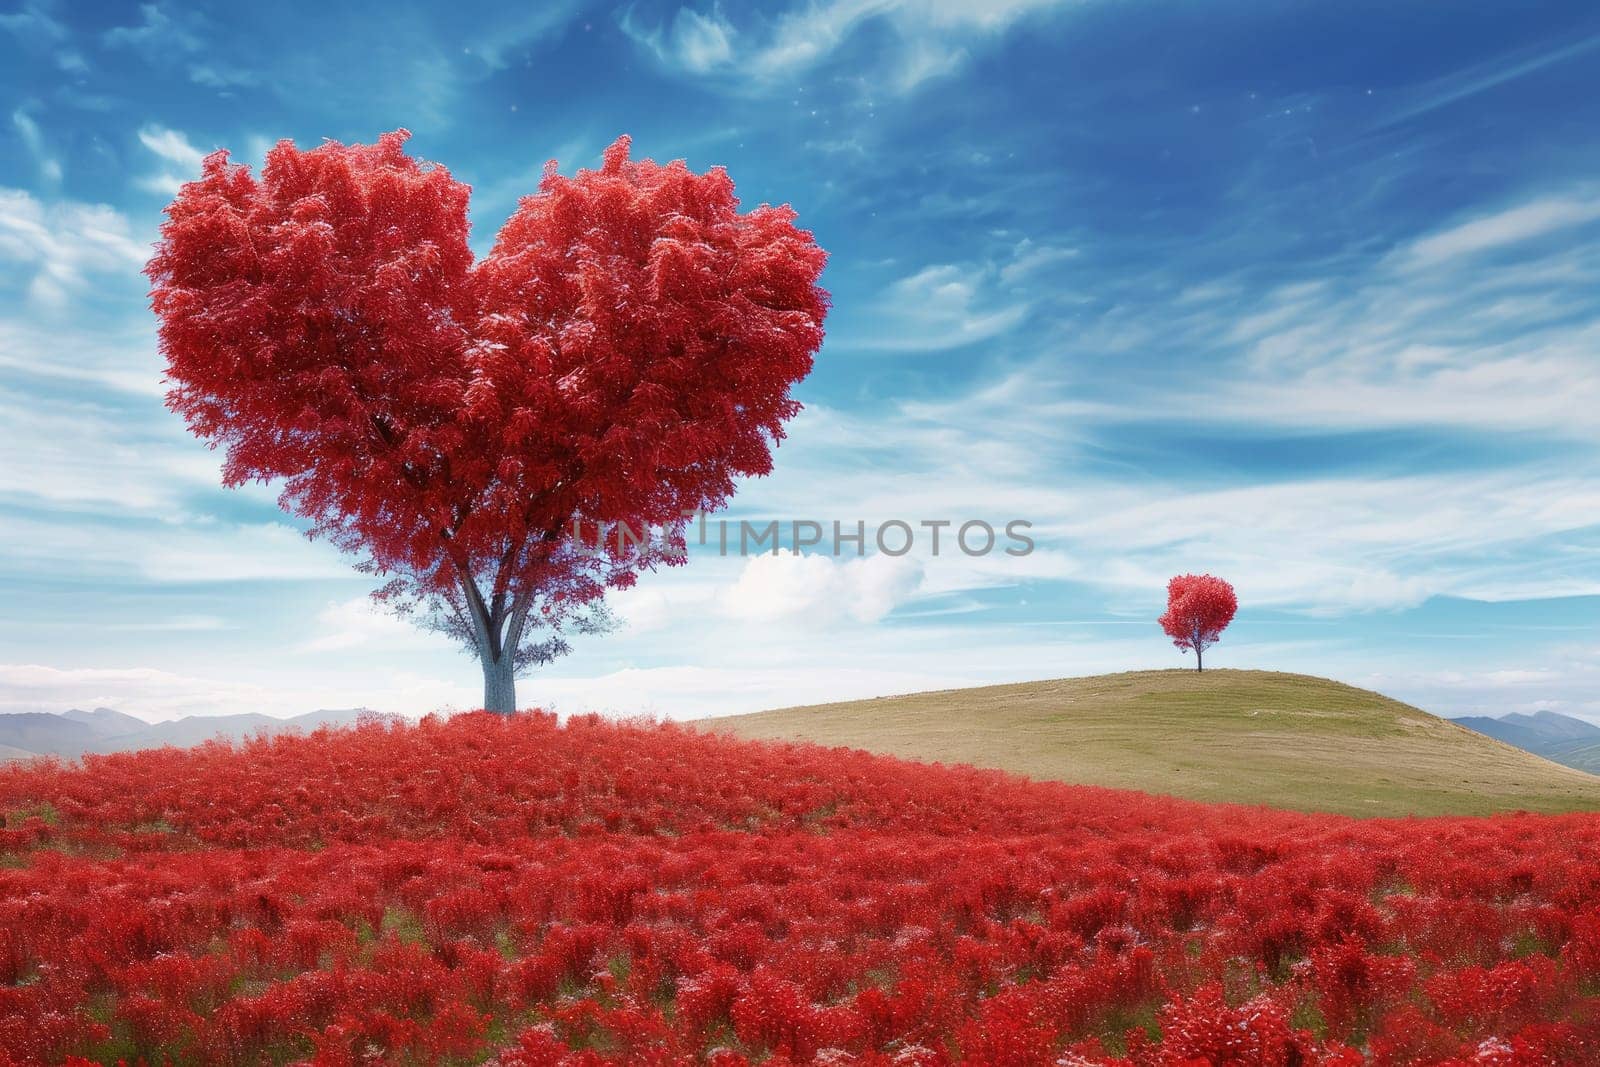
(1286, 740)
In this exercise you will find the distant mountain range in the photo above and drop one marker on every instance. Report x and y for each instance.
(70, 734)
(1545, 733)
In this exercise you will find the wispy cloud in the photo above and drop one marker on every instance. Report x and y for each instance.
(416, 68)
(1030, 257)
(116, 460)
(694, 42)
(1483, 77)
(1514, 225)
(168, 36)
(361, 623)
(939, 307)
(43, 349)
(53, 248)
(173, 148)
(33, 21)
(184, 550)
(33, 139)
(158, 30)
(933, 38)
(1485, 324)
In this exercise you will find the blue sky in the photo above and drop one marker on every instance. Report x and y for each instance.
(1302, 295)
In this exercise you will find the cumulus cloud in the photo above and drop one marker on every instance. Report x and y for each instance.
(805, 590)
(819, 589)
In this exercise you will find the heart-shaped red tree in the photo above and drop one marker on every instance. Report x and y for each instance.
(621, 356)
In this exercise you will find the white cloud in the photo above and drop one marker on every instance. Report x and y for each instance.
(172, 624)
(184, 550)
(925, 60)
(180, 38)
(819, 589)
(1030, 257)
(75, 454)
(954, 572)
(934, 38)
(1566, 682)
(55, 247)
(940, 307)
(174, 148)
(33, 138)
(236, 552)
(679, 597)
(695, 42)
(1505, 346)
(156, 31)
(33, 21)
(1551, 392)
(807, 590)
(1467, 83)
(1511, 226)
(359, 622)
(119, 357)
(416, 67)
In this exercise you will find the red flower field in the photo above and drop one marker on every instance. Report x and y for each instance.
(517, 892)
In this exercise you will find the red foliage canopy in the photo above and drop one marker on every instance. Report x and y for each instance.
(624, 353)
(1199, 608)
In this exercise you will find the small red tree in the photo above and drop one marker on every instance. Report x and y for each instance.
(620, 357)
(1199, 608)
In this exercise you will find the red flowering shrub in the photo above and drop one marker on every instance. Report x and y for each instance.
(519, 892)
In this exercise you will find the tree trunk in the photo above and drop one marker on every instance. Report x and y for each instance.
(499, 685)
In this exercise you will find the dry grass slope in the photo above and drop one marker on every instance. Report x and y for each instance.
(1257, 737)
